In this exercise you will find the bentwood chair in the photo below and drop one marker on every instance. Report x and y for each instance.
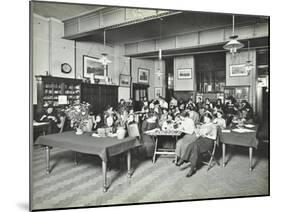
(213, 152)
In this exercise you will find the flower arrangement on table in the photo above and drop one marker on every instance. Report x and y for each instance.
(79, 115)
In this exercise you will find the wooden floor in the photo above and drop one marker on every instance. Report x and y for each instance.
(75, 186)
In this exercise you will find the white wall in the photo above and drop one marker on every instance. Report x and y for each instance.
(249, 80)
(50, 50)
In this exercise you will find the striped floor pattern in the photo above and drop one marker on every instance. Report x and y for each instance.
(70, 185)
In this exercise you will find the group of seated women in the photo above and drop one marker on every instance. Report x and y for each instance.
(198, 123)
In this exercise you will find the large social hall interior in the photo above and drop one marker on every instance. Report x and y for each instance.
(141, 105)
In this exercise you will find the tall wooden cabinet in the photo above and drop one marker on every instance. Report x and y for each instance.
(49, 89)
(99, 96)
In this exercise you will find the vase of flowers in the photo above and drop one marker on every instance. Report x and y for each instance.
(121, 125)
(79, 115)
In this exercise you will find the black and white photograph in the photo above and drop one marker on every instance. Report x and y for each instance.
(93, 68)
(143, 75)
(125, 80)
(184, 73)
(136, 105)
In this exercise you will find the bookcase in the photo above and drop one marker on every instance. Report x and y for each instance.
(50, 89)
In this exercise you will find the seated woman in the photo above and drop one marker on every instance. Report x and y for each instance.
(97, 122)
(193, 114)
(187, 126)
(246, 111)
(50, 116)
(147, 141)
(206, 134)
(220, 121)
(168, 123)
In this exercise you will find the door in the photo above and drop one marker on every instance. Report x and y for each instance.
(140, 92)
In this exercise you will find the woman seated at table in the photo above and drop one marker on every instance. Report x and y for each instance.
(206, 134)
(51, 116)
(193, 114)
(219, 120)
(168, 123)
(97, 122)
(149, 124)
(246, 111)
(187, 126)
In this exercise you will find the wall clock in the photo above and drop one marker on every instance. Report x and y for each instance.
(65, 68)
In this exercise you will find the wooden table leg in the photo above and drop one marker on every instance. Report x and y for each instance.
(176, 158)
(223, 155)
(129, 163)
(75, 158)
(155, 150)
(47, 160)
(250, 156)
(104, 172)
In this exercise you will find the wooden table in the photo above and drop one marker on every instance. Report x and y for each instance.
(160, 133)
(246, 139)
(103, 147)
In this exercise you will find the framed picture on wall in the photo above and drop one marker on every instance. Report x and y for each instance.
(158, 92)
(238, 70)
(143, 75)
(124, 80)
(184, 73)
(92, 67)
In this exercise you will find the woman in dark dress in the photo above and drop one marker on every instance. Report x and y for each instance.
(148, 142)
(51, 116)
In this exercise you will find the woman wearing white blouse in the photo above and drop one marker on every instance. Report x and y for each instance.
(187, 126)
(206, 134)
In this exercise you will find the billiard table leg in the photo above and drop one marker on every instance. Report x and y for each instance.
(104, 172)
(250, 157)
(223, 155)
(129, 163)
(47, 160)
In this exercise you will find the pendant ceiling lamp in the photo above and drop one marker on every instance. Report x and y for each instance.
(104, 60)
(233, 45)
(160, 37)
(249, 64)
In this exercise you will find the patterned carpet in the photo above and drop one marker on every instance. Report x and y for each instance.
(70, 185)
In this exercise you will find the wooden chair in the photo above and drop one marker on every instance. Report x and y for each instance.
(213, 152)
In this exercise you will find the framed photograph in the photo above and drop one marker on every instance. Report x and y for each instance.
(238, 70)
(124, 80)
(185, 73)
(91, 65)
(143, 75)
(158, 92)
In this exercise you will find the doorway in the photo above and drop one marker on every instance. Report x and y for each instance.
(140, 91)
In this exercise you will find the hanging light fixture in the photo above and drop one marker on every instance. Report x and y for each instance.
(249, 64)
(160, 37)
(233, 45)
(104, 60)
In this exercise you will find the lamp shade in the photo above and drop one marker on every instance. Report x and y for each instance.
(233, 45)
(104, 60)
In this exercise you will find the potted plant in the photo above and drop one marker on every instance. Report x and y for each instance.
(121, 125)
(79, 115)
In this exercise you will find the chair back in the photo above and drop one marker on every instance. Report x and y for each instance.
(133, 130)
(62, 124)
